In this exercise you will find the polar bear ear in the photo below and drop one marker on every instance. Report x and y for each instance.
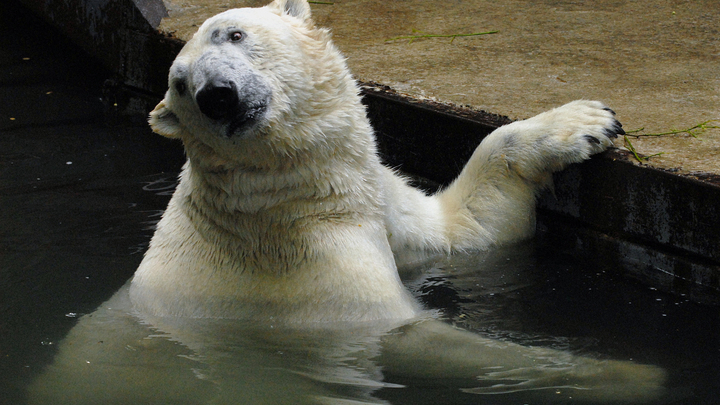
(164, 122)
(299, 9)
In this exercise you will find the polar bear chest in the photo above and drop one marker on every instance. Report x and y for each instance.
(319, 269)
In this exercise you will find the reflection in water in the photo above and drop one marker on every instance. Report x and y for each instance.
(112, 356)
(116, 356)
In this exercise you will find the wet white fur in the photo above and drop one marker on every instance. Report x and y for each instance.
(297, 218)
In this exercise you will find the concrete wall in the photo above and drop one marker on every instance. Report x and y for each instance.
(120, 33)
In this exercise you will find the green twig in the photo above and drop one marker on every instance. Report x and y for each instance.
(635, 153)
(632, 150)
(692, 131)
(634, 130)
(453, 36)
(321, 2)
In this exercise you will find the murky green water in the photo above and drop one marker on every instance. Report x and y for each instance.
(81, 241)
(68, 247)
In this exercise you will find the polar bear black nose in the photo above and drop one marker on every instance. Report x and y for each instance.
(217, 101)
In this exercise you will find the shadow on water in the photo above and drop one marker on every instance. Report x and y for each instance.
(74, 219)
(79, 197)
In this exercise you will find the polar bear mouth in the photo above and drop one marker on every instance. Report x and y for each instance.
(237, 105)
(245, 118)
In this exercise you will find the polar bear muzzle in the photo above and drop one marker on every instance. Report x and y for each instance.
(218, 101)
(238, 103)
(228, 90)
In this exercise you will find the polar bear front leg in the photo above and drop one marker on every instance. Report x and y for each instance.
(492, 201)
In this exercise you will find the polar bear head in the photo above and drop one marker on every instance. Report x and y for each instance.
(256, 82)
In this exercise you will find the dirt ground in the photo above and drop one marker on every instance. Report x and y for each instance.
(656, 62)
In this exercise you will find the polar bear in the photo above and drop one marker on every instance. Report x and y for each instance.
(284, 209)
(286, 225)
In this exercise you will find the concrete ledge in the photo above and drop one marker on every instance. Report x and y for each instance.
(658, 226)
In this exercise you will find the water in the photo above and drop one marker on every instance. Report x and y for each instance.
(528, 295)
(78, 200)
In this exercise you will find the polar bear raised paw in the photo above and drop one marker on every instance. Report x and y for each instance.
(578, 129)
(492, 201)
(550, 141)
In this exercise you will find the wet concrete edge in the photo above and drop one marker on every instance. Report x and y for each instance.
(658, 226)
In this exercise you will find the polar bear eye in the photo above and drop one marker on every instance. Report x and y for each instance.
(180, 87)
(235, 36)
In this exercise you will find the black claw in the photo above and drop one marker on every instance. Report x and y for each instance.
(611, 133)
(592, 139)
(615, 130)
(610, 110)
(617, 126)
